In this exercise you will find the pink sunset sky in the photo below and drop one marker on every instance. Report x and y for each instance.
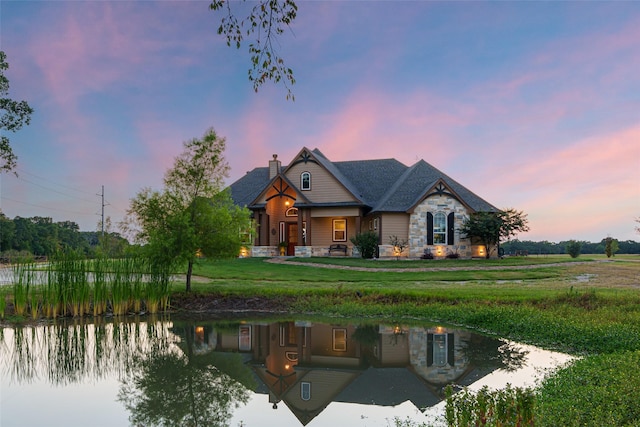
(531, 105)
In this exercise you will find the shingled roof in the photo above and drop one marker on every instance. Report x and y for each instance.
(383, 185)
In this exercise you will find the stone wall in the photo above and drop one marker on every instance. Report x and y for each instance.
(303, 251)
(264, 251)
(418, 228)
(437, 374)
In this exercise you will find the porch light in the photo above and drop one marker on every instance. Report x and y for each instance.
(439, 251)
(287, 203)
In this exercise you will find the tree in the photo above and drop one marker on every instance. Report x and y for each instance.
(7, 233)
(166, 387)
(191, 216)
(611, 247)
(266, 21)
(490, 228)
(573, 248)
(15, 114)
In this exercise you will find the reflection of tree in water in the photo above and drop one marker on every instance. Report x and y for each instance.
(491, 352)
(181, 388)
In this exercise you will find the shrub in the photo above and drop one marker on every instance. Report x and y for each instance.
(573, 248)
(367, 243)
(453, 254)
(427, 254)
(398, 245)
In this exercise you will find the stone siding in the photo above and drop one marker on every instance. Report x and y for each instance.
(418, 228)
(437, 374)
(303, 251)
(265, 251)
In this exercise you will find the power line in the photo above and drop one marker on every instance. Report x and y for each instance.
(49, 181)
(46, 207)
(55, 191)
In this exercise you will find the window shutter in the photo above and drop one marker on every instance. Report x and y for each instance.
(429, 228)
(451, 359)
(429, 349)
(450, 226)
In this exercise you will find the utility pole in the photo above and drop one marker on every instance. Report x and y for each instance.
(102, 220)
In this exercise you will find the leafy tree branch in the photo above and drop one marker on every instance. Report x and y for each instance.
(266, 21)
(14, 115)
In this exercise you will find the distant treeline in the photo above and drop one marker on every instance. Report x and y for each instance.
(41, 237)
(516, 247)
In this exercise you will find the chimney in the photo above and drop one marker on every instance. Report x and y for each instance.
(274, 167)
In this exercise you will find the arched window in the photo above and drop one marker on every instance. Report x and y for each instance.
(305, 390)
(305, 181)
(439, 229)
(291, 212)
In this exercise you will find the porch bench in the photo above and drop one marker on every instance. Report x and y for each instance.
(338, 248)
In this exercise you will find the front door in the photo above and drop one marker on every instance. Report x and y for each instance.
(292, 238)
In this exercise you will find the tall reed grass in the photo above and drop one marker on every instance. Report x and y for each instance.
(70, 285)
(3, 302)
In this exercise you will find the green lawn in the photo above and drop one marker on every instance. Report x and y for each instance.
(583, 307)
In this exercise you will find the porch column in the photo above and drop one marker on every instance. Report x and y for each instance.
(307, 218)
(264, 228)
(300, 241)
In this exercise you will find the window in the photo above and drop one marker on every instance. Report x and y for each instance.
(291, 212)
(305, 390)
(339, 230)
(288, 337)
(305, 181)
(439, 349)
(439, 229)
(244, 338)
(339, 340)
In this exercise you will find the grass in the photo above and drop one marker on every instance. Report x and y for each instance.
(586, 308)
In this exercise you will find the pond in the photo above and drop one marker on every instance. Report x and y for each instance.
(247, 372)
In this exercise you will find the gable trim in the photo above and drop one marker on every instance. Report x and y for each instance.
(282, 180)
(440, 188)
(307, 156)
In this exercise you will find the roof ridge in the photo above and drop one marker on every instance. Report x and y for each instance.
(392, 190)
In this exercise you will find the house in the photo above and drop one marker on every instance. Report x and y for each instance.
(313, 207)
(308, 365)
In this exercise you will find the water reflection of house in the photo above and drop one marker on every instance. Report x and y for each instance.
(308, 365)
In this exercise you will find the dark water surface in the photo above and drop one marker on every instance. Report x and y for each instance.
(250, 372)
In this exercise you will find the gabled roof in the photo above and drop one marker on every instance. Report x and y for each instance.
(417, 182)
(248, 188)
(401, 385)
(373, 177)
(383, 185)
(337, 173)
